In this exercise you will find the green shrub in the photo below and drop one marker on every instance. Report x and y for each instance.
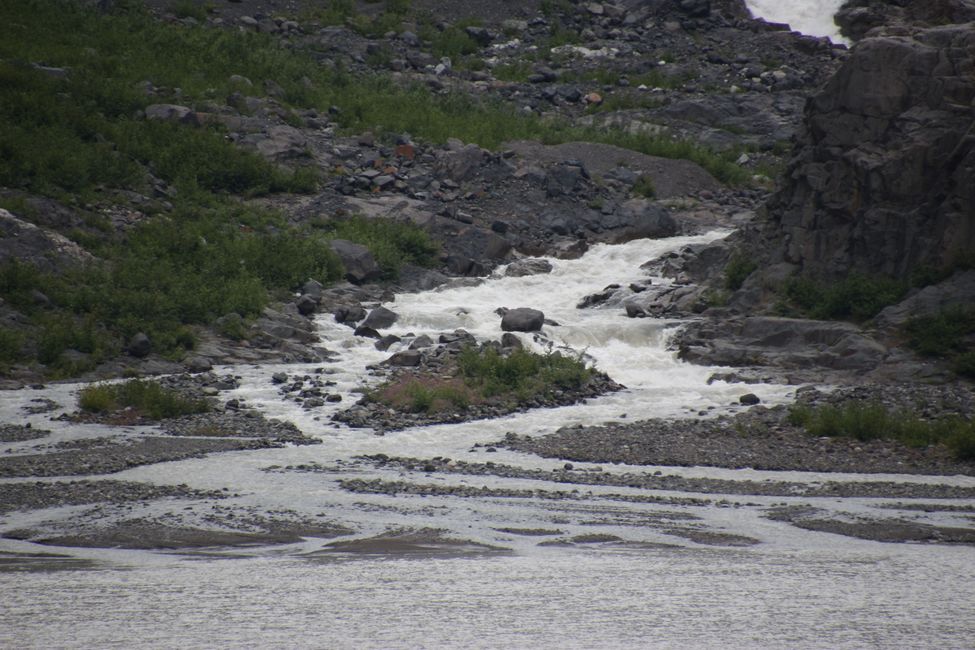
(521, 373)
(644, 187)
(738, 269)
(99, 398)
(941, 334)
(188, 9)
(964, 365)
(11, 346)
(856, 297)
(150, 398)
(870, 421)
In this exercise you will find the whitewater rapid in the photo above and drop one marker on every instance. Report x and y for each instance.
(812, 17)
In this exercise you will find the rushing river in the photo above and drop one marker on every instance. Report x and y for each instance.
(793, 588)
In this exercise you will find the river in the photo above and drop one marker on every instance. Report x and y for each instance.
(640, 572)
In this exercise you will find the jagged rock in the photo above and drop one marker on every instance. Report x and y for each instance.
(957, 291)
(360, 265)
(885, 166)
(380, 318)
(522, 319)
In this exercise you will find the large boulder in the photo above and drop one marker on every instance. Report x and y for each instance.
(360, 265)
(522, 319)
(380, 318)
(883, 179)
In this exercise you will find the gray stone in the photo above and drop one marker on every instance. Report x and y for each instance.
(529, 266)
(198, 364)
(360, 265)
(306, 304)
(380, 318)
(139, 346)
(406, 358)
(522, 319)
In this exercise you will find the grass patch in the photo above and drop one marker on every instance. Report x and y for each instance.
(870, 421)
(415, 394)
(150, 398)
(856, 297)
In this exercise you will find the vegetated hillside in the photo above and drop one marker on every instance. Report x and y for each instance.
(169, 173)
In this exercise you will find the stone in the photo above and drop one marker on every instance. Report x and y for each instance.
(367, 332)
(511, 341)
(168, 112)
(385, 342)
(313, 288)
(522, 319)
(349, 315)
(139, 346)
(306, 304)
(406, 358)
(380, 318)
(279, 378)
(360, 265)
(880, 183)
(283, 143)
(420, 342)
(529, 266)
(749, 399)
(198, 364)
(695, 8)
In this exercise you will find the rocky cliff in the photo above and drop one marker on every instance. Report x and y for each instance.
(883, 176)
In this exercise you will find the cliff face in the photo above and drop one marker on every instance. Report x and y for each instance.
(883, 180)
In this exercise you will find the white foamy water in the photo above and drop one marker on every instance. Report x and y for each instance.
(793, 589)
(812, 17)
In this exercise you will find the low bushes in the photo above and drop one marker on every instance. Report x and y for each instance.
(149, 398)
(870, 421)
(521, 373)
(484, 375)
(856, 297)
(948, 335)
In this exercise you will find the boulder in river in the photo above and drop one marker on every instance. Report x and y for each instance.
(522, 319)
(380, 318)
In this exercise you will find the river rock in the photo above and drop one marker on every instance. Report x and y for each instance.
(530, 266)
(522, 319)
(380, 318)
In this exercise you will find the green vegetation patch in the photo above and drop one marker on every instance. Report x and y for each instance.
(870, 421)
(392, 243)
(948, 334)
(856, 297)
(521, 374)
(737, 271)
(484, 375)
(149, 398)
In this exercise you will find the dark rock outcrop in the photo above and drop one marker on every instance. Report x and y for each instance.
(883, 181)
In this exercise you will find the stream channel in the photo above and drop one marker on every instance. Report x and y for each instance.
(604, 566)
